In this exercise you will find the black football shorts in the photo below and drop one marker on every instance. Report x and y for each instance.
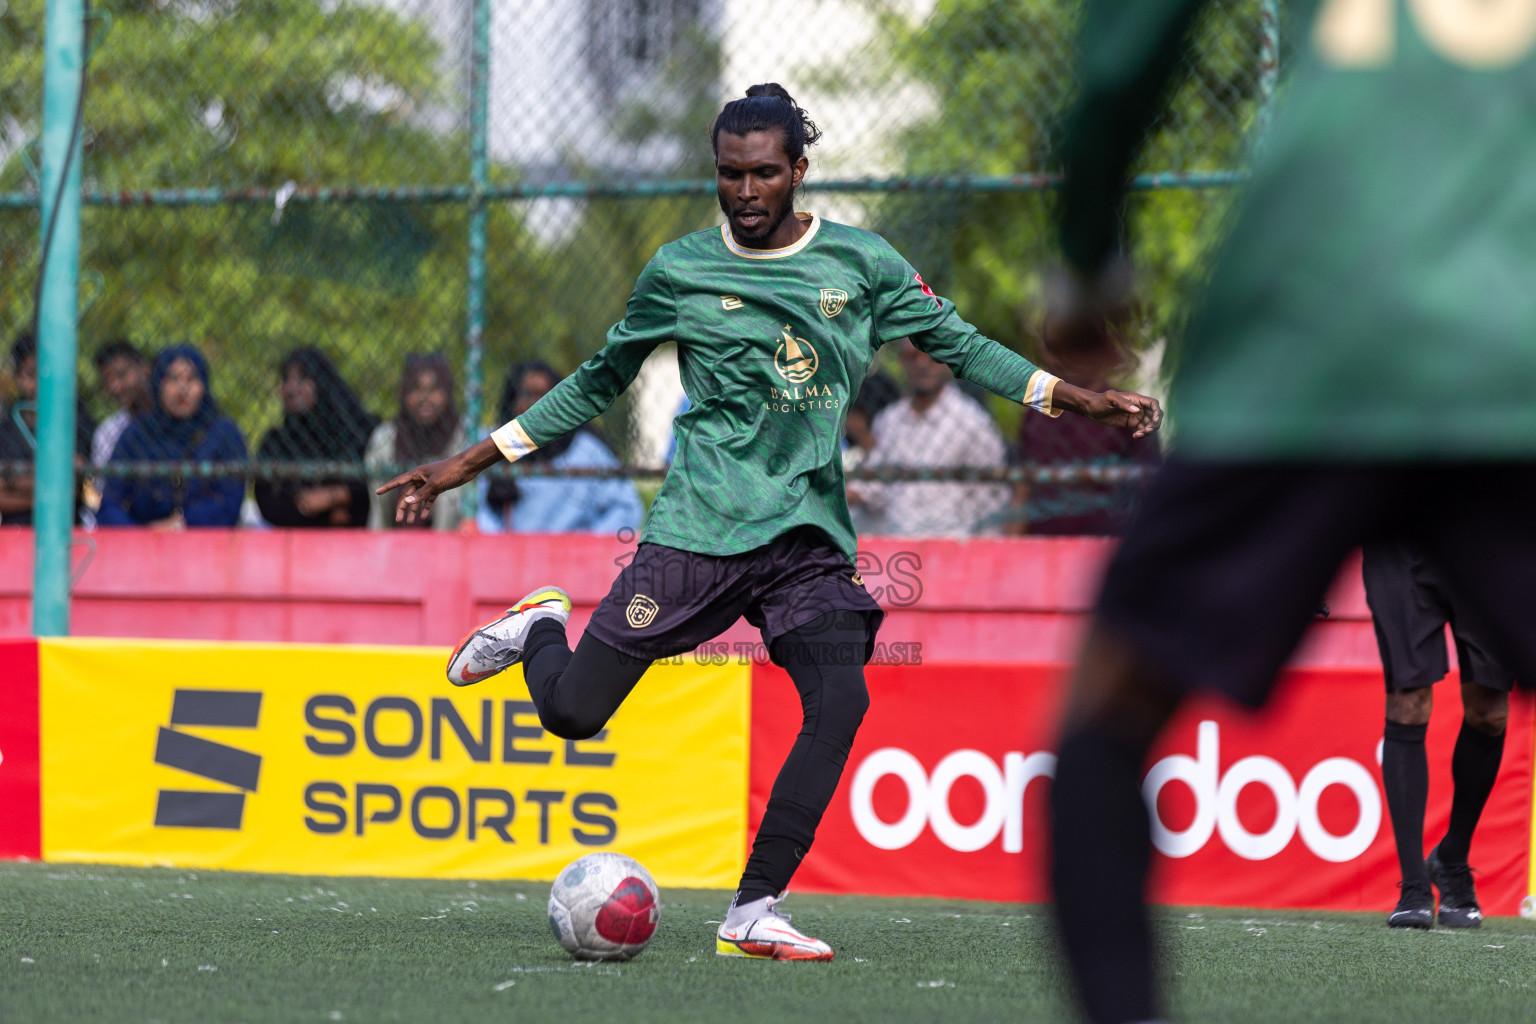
(667, 601)
(1411, 609)
(1225, 564)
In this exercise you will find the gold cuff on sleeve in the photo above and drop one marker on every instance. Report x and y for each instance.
(513, 441)
(1039, 391)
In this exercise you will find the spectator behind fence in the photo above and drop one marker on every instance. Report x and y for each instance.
(1077, 508)
(185, 425)
(935, 426)
(16, 439)
(123, 374)
(426, 429)
(323, 421)
(18, 436)
(554, 504)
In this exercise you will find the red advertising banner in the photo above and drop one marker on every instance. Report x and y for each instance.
(20, 779)
(946, 791)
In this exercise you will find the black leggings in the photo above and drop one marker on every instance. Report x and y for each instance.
(577, 692)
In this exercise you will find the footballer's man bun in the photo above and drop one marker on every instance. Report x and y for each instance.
(767, 107)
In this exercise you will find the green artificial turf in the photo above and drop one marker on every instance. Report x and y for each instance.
(92, 943)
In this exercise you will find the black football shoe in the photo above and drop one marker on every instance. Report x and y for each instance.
(1415, 907)
(1458, 896)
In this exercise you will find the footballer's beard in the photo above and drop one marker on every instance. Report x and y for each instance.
(764, 231)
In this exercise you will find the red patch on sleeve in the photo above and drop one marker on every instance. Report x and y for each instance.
(926, 290)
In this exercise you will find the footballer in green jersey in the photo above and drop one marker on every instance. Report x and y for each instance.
(1359, 371)
(777, 316)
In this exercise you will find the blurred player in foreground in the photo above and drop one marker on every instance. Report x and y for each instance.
(777, 315)
(1411, 610)
(1361, 367)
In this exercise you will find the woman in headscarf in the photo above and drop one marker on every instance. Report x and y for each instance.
(426, 429)
(323, 421)
(185, 425)
(556, 504)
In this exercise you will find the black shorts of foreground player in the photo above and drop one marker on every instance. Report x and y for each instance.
(1411, 610)
(777, 316)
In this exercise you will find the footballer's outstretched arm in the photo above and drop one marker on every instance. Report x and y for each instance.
(649, 320)
(1128, 55)
(908, 307)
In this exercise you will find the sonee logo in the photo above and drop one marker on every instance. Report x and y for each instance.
(225, 709)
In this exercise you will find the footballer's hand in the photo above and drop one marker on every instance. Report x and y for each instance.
(1141, 413)
(422, 486)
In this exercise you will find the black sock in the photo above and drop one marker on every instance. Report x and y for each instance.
(1405, 776)
(825, 661)
(778, 856)
(1102, 848)
(540, 635)
(546, 637)
(1474, 767)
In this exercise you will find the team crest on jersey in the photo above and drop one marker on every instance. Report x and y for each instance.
(832, 302)
(795, 359)
(641, 611)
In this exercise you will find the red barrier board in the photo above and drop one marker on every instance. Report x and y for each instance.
(21, 816)
(946, 790)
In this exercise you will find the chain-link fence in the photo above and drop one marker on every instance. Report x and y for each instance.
(377, 179)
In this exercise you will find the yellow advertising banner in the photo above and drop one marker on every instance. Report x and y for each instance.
(366, 761)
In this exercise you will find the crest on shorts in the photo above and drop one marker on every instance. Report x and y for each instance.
(641, 611)
(832, 302)
(795, 359)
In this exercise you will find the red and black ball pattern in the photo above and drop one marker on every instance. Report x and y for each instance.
(629, 916)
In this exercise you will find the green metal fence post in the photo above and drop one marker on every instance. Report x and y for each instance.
(1269, 68)
(474, 350)
(54, 503)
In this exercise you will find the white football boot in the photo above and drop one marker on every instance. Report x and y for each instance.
(497, 645)
(760, 932)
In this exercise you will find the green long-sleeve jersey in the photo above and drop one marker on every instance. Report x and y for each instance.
(772, 345)
(1375, 297)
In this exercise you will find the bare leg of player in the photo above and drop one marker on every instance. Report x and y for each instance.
(1102, 846)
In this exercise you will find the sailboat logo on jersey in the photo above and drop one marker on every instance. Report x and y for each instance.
(795, 359)
(832, 302)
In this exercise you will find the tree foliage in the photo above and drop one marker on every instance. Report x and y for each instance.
(232, 94)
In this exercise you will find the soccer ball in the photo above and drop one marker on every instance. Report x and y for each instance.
(604, 906)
